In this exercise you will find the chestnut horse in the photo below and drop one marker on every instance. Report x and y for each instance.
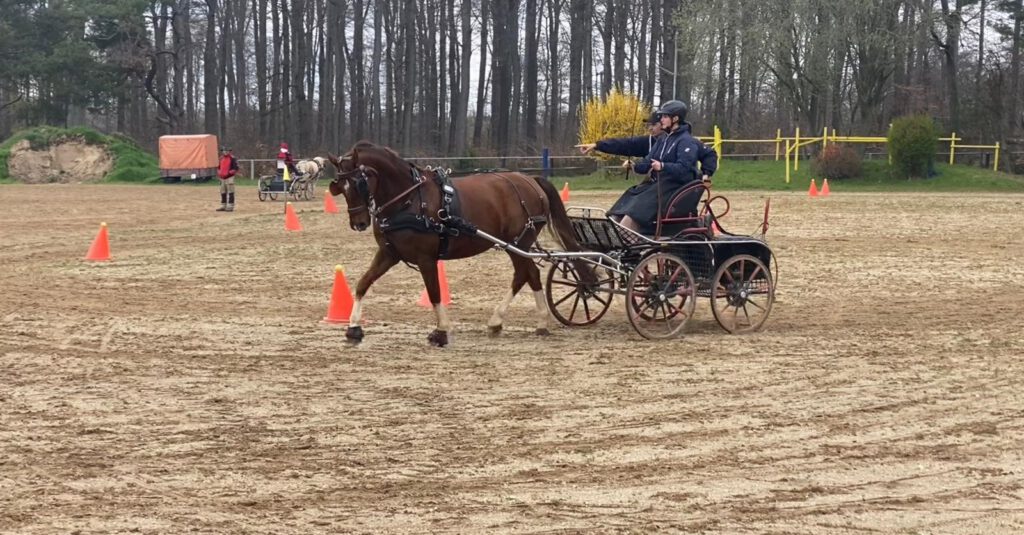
(406, 207)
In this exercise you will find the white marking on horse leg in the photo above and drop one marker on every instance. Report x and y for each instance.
(357, 312)
(498, 317)
(543, 314)
(443, 323)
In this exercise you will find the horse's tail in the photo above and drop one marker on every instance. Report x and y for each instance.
(561, 228)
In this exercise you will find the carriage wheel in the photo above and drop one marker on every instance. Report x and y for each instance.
(273, 196)
(308, 193)
(742, 294)
(263, 195)
(660, 296)
(574, 302)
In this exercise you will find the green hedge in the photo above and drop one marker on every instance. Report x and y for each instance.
(912, 143)
(131, 162)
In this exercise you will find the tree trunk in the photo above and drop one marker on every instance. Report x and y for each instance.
(259, 13)
(481, 88)
(1013, 118)
(530, 58)
(950, 48)
(211, 76)
(578, 40)
(461, 112)
(409, 74)
(376, 128)
(554, 69)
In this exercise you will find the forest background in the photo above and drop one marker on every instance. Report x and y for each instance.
(474, 77)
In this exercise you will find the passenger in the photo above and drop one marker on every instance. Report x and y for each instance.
(672, 163)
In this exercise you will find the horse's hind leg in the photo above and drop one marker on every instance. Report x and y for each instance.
(381, 263)
(525, 272)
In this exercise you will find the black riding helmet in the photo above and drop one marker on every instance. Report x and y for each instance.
(673, 107)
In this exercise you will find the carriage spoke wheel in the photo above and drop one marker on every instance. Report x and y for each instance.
(574, 302)
(742, 294)
(660, 296)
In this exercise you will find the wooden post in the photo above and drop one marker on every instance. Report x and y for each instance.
(952, 148)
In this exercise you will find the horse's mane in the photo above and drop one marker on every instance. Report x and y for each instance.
(366, 144)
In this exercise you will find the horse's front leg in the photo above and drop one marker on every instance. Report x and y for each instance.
(381, 263)
(439, 337)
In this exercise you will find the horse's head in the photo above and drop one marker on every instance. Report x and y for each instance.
(353, 181)
(370, 177)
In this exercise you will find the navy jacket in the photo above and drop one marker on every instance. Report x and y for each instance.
(684, 159)
(679, 153)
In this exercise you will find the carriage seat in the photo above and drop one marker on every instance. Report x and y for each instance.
(679, 223)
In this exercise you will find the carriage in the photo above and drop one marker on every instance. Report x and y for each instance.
(661, 276)
(299, 188)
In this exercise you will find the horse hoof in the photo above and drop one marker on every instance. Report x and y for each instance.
(354, 334)
(542, 332)
(494, 330)
(438, 338)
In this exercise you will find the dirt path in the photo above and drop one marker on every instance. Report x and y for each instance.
(188, 385)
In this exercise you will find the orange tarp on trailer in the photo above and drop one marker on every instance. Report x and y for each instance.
(188, 152)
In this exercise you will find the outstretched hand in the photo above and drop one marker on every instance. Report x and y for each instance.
(586, 148)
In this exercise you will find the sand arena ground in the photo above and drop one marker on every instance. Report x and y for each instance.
(188, 384)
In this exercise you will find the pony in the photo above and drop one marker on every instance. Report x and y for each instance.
(419, 216)
(312, 168)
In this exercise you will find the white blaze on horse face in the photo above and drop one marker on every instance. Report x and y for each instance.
(498, 317)
(443, 324)
(542, 309)
(357, 312)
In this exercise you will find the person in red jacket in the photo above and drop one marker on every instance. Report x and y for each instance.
(284, 158)
(227, 170)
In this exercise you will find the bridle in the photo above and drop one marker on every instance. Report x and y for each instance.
(360, 178)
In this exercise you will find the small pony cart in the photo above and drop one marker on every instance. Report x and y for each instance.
(300, 187)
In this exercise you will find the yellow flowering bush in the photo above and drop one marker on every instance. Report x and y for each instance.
(618, 115)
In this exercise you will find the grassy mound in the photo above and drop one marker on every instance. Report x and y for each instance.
(876, 175)
(131, 162)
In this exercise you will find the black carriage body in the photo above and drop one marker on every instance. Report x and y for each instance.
(656, 275)
(700, 253)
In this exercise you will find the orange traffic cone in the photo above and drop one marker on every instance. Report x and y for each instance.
(100, 248)
(329, 206)
(340, 308)
(291, 221)
(812, 191)
(442, 279)
(824, 188)
(565, 192)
